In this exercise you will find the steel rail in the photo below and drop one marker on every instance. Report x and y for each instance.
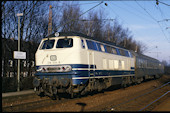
(12, 107)
(140, 95)
(35, 105)
(52, 102)
(154, 101)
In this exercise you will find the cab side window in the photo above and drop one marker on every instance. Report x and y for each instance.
(82, 44)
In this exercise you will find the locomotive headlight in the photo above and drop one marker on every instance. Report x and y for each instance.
(64, 68)
(41, 69)
(67, 68)
(38, 68)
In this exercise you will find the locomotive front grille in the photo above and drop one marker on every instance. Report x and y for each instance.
(52, 69)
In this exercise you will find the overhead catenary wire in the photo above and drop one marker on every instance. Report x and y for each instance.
(80, 15)
(164, 19)
(162, 3)
(118, 16)
(150, 18)
(154, 20)
(131, 12)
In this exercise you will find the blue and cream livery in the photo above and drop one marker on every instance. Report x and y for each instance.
(75, 63)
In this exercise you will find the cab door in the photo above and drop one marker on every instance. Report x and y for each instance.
(91, 65)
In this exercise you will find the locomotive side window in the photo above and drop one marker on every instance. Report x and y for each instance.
(131, 55)
(91, 45)
(47, 44)
(114, 51)
(65, 43)
(109, 50)
(122, 52)
(127, 53)
(98, 46)
(82, 43)
(118, 52)
(102, 47)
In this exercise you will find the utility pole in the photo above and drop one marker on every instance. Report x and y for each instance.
(50, 20)
(18, 73)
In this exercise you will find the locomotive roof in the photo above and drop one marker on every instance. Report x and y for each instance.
(107, 42)
(82, 35)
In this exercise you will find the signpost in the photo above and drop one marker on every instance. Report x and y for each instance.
(19, 55)
(18, 73)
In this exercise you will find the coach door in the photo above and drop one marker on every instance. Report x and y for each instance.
(91, 65)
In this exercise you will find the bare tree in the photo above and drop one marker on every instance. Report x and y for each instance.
(70, 17)
(164, 62)
(34, 23)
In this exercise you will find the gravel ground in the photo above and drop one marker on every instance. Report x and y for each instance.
(105, 101)
(164, 106)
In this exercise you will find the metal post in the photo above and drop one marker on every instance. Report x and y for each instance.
(18, 73)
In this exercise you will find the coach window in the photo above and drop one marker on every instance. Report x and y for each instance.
(64, 43)
(47, 44)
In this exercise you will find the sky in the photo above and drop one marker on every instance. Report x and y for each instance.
(147, 21)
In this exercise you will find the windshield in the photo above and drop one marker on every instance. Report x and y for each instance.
(65, 43)
(47, 44)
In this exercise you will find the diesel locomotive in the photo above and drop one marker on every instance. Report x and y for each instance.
(73, 63)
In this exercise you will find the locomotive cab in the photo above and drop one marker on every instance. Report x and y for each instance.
(56, 58)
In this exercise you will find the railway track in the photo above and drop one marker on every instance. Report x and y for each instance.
(134, 98)
(7, 101)
(151, 105)
(140, 102)
(30, 104)
(24, 106)
(98, 102)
